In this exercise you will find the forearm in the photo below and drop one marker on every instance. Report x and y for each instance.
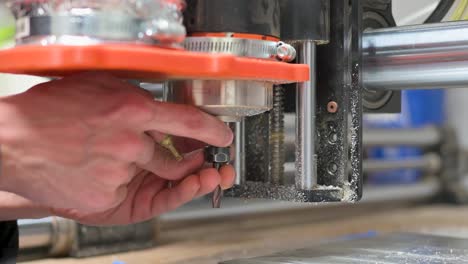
(14, 207)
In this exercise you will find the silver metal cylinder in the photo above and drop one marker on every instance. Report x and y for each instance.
(423, 56)
(306, 165)
(35, 233)
(239, 158)
(54, 236)
(229, 100)
(429, 163)
(415, 137)
(156, 89)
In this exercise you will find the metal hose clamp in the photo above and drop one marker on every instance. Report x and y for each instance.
(252, 48)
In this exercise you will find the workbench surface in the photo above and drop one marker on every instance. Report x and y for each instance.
(217, 240)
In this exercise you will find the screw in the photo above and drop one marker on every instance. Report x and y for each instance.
(333, 138)
(285, 52)
(332, 168)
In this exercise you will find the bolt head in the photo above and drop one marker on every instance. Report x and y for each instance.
(285, 52)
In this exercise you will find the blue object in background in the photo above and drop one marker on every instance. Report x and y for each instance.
(369, 234)
(419, 108)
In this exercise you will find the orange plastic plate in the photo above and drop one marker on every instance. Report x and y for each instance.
(145, 63)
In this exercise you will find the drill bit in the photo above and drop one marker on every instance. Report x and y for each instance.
(218, 192)
(168, 144)
(216, 199)
(218, 157)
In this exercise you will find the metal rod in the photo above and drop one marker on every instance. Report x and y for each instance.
(414, 137)
(423, 56)
(55, 236)
(306, 166)
(48, 237)
(429, 163)
(289, 137)
(239, 158)
(36, 233)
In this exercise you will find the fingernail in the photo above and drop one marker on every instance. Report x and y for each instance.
(226, 186)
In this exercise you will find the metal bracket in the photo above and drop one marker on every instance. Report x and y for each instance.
(339, 130)
(339, 148)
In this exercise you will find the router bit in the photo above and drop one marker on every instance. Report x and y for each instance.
(218, 157)
(168, 144)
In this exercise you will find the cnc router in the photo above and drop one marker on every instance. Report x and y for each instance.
(232, 59)
(248, 62)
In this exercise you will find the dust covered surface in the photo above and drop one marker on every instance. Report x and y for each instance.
(251, 190)
(389, 249)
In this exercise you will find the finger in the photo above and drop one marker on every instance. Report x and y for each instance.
(125, 145)
(183, 145)
(186, 145)
(170, 199)
(210, 179)
(143, 195)
(187, 121)
(109, 81)
(173, 119)
(136, 190)
(228, 176)
(153, 201)
(164, 164)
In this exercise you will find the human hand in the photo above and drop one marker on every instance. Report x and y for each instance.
(85, 145)
(149, 196)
